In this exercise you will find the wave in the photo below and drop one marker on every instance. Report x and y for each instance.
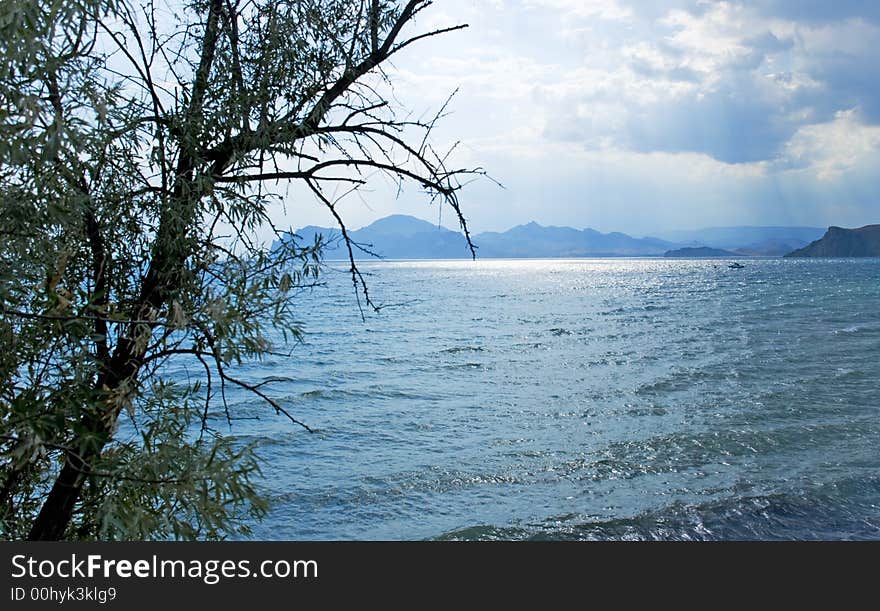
(807, 515)
(460, 349)
(558, 331)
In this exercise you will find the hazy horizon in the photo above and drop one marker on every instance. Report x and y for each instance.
(454, 227)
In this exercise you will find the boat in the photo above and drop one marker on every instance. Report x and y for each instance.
(736, 265)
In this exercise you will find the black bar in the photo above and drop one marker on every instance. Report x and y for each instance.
(256, 574)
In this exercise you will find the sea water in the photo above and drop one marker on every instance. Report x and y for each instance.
(578, 399)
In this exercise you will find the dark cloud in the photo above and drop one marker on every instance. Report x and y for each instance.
(817, 11)
(725, 127)
(851, 83)
(731, 124)
(805, 11)
(767, 42)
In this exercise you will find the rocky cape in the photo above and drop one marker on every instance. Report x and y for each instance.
(840, 242)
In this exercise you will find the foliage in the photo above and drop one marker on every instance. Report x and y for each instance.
(139, 143)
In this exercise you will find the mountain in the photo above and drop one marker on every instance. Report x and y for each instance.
(534, 240)
(405, 237)
(773, 247)
(840, 242)
(394, 237)
(768, 241)
(700, 251)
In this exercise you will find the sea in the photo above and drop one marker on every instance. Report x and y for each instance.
(587, 399)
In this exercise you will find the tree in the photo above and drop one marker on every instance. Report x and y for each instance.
(139, 146)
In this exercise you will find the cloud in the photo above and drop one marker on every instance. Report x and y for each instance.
(831, 149)
(843, 57)
(820, 11)
(735, 81)
(579, 9)
(624, 114)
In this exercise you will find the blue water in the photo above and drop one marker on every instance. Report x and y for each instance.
(580, 399)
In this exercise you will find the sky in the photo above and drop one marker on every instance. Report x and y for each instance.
(644, 117)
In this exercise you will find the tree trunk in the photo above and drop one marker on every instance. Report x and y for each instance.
(57, 511)
(163, 276)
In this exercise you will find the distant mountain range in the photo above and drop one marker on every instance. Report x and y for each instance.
(840, 242)
(756, 241)
(406, 237)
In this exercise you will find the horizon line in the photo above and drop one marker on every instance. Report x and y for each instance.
(587, 228)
